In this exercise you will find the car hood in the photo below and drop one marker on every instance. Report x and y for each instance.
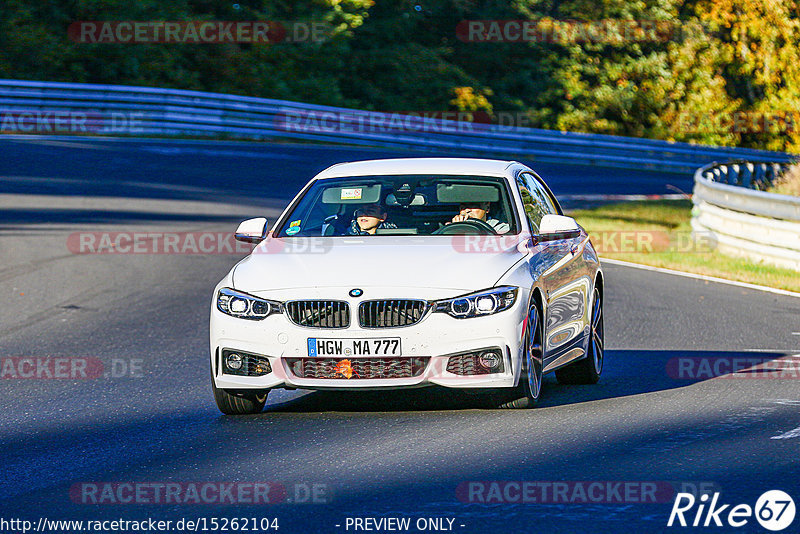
(462, 263)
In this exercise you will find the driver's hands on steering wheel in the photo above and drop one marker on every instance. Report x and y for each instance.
(462, 218)
(478, 227)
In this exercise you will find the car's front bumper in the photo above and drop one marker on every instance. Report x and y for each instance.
(436, 337)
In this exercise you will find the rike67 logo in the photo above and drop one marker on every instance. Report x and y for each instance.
(774, 510)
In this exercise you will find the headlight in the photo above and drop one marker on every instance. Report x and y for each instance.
(477, 304)
(244, 306)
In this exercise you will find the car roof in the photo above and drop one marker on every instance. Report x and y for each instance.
(444, 166)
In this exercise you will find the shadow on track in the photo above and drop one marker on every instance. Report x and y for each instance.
(77, 216)
(628, 372)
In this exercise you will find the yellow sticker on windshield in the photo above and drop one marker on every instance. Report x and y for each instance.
(351, 193)
(294, 223)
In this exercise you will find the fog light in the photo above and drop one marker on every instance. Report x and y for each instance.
(489, 360)
(233, 361)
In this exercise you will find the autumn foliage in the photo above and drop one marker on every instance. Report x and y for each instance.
(724, 72)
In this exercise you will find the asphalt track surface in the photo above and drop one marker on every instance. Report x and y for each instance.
(397, 454)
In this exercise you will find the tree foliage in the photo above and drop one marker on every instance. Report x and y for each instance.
(710, 71)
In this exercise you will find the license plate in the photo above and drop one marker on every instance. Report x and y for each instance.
(379, 346)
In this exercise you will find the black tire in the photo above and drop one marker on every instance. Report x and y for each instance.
(529, 389)
(239, 402)
(588, 370)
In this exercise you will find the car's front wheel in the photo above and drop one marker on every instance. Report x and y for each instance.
(239, 402)
(530, 381)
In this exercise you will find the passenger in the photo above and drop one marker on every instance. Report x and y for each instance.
(368, 219)
(480, 210)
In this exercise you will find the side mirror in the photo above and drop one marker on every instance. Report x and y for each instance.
(252, 230)
(555, 227)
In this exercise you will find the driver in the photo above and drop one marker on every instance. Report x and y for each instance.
(479, 210)
(368, 219)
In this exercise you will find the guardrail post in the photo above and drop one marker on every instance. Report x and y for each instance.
(723, 173)
(734, 176)
(758, 180)
(748, 175)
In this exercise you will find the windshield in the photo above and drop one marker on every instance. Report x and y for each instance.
(402, 205)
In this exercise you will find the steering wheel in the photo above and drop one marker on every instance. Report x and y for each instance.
(469, 227)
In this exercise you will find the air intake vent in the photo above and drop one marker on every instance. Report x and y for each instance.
(319, 313)
(391, 313)
(357, 368)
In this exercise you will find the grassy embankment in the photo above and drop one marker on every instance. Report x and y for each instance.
(658, 233)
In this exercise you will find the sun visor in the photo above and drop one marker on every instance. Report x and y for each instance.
(355, 194)
(460, 193)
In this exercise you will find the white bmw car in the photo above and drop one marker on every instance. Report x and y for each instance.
(403, 273)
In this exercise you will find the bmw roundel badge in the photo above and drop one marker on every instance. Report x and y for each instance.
(356, 292)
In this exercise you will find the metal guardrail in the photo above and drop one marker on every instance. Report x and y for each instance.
(730, 204)
(88, 109)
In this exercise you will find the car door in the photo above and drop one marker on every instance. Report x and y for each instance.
(559, 266)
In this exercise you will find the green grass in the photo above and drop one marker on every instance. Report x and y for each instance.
(658, 233)
(788, 183)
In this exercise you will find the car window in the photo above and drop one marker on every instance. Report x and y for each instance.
(535, 200)
(400, 205)
(541, 193)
